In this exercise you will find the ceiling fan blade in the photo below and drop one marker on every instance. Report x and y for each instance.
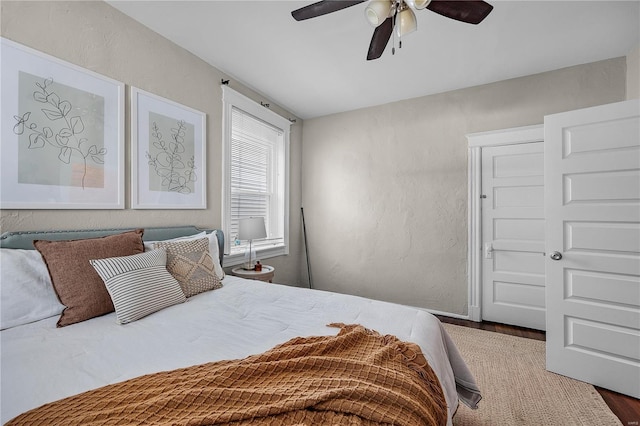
(469, 11)
(380, 38)
(322, 8)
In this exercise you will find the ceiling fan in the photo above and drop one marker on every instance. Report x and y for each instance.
(387, 14)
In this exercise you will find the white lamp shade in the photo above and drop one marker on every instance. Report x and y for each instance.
(407, 22)
(252, 228)
(377, 11)
(417, 4)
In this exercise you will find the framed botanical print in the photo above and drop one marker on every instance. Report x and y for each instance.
(62, 143)
(168, 154)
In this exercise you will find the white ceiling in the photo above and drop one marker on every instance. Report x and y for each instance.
(318, 66)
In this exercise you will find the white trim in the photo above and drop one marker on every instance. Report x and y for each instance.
(448, 314)
(252, 107)
(477, 141)
(474, 246)
(261, 253)
(232, 98)
(512, 136)
(442, 313)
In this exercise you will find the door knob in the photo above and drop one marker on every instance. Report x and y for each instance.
(556, 255)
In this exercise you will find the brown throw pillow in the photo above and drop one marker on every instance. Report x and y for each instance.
(77, 284)
(191, 265)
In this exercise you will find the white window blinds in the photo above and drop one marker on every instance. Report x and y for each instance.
(255, 173)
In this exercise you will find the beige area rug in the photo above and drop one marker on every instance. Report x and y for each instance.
(516, 388)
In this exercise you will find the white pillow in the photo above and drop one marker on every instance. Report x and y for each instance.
(213, 248)
(26, 292)
(148, 245)
(139, 284)
(215, 253)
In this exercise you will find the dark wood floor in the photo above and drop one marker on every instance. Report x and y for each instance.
(626, 408)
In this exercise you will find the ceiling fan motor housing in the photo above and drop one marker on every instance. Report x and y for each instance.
(417, 4)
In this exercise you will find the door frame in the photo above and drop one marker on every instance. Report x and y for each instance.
(477, 141)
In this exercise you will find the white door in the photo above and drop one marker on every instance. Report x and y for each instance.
(513, 276)
(592, 205)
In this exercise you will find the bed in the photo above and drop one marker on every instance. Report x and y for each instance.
(42, 363)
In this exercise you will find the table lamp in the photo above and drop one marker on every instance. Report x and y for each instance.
(251, 228)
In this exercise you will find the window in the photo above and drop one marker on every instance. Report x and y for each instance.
(256, 164)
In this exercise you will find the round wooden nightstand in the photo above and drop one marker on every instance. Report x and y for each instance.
(265, 275)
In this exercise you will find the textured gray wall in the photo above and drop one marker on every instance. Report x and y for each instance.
(96, 36)
(385, 188)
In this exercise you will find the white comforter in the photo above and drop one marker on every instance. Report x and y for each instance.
(41, 363)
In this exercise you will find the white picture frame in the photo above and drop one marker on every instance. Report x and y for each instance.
(62, 133)
(168, 154)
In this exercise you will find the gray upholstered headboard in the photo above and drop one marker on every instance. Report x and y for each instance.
(24, 239)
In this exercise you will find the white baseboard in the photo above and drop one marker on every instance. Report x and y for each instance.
(447, 314)
(474, 314)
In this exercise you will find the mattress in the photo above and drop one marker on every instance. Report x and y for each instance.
(41, 363)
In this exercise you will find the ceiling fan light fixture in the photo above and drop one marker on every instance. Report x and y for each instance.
(388, 16)
(417, 4)
(407, 22)
(377, 11)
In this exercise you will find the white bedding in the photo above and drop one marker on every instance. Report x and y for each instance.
(41, 363)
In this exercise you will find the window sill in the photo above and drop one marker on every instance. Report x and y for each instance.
(261, 254)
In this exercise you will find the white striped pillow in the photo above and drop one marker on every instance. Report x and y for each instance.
(139, 285)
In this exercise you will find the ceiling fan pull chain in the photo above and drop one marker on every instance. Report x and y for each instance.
(393, 44)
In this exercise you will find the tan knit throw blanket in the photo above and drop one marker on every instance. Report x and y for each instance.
(358, 377)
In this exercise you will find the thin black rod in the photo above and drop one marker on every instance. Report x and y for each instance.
(306, 246)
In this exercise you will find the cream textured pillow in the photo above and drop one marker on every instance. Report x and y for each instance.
(139, 285)
(191, 264)
(76, 283)
(213, 247)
